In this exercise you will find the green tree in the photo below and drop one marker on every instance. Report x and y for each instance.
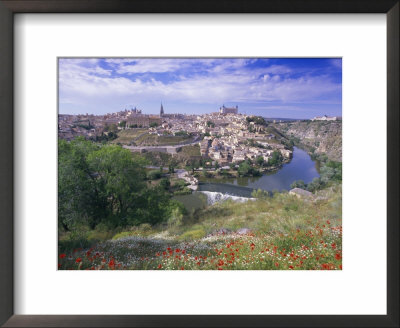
(244, 169)
(276, 158)
(121, 180)
(154, 175)
(77, 188)
(260, 160)
(298, 184)
(165, 183)
(315, 184)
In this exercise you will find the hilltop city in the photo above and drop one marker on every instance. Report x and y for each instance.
(225, 136)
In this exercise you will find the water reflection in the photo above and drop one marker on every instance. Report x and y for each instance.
(301, 167)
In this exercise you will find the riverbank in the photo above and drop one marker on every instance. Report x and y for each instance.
(300, 167)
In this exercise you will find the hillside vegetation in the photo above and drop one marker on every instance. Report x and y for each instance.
(317, 137)
(268, 233)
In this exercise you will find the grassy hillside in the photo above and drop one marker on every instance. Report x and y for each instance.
(125, 137)
(141, 137)
(279, 232)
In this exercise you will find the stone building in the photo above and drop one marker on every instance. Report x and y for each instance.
(228, 110)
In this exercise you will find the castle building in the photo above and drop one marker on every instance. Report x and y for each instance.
(228, 110)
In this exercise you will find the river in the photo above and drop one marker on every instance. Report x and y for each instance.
(301, 167)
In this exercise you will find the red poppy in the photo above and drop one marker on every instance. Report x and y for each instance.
(338, 256)
(327, 266)
(111, 264)
(62, 256)
(291, 267)
(159, 266)
(276, 264)
(333, 246)
(78, 260)
(59, 265)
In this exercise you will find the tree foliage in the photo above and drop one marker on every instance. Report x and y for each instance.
(245, 169)
(106, 184)
(276, 158)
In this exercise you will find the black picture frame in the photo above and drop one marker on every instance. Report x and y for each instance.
(10, 7)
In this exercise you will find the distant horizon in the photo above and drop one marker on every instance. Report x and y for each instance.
(266, 117)
(286, 88)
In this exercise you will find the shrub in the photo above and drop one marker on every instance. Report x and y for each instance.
(154, 175)
(123, 234)
(193, 234)
(184, 191)
(298, 184)
(145, 227)
(176, 218)
(259, 193)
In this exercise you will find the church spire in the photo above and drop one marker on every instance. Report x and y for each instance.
(161, 110)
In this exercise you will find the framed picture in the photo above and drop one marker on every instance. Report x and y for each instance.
(169, 166)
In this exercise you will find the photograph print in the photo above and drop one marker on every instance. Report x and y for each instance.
(199, 163)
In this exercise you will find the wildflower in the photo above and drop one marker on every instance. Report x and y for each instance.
(276, 264)
(333, 245)
(291, 267)
(327, 266)
(62, 256)
(111, 264)
(338, 256)
(159, 266)
(78, 260)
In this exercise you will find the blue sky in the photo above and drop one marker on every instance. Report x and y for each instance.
(271, 87)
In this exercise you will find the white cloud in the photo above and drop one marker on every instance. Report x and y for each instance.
(211, 81)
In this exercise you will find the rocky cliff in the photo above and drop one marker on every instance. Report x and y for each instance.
(316, 136)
